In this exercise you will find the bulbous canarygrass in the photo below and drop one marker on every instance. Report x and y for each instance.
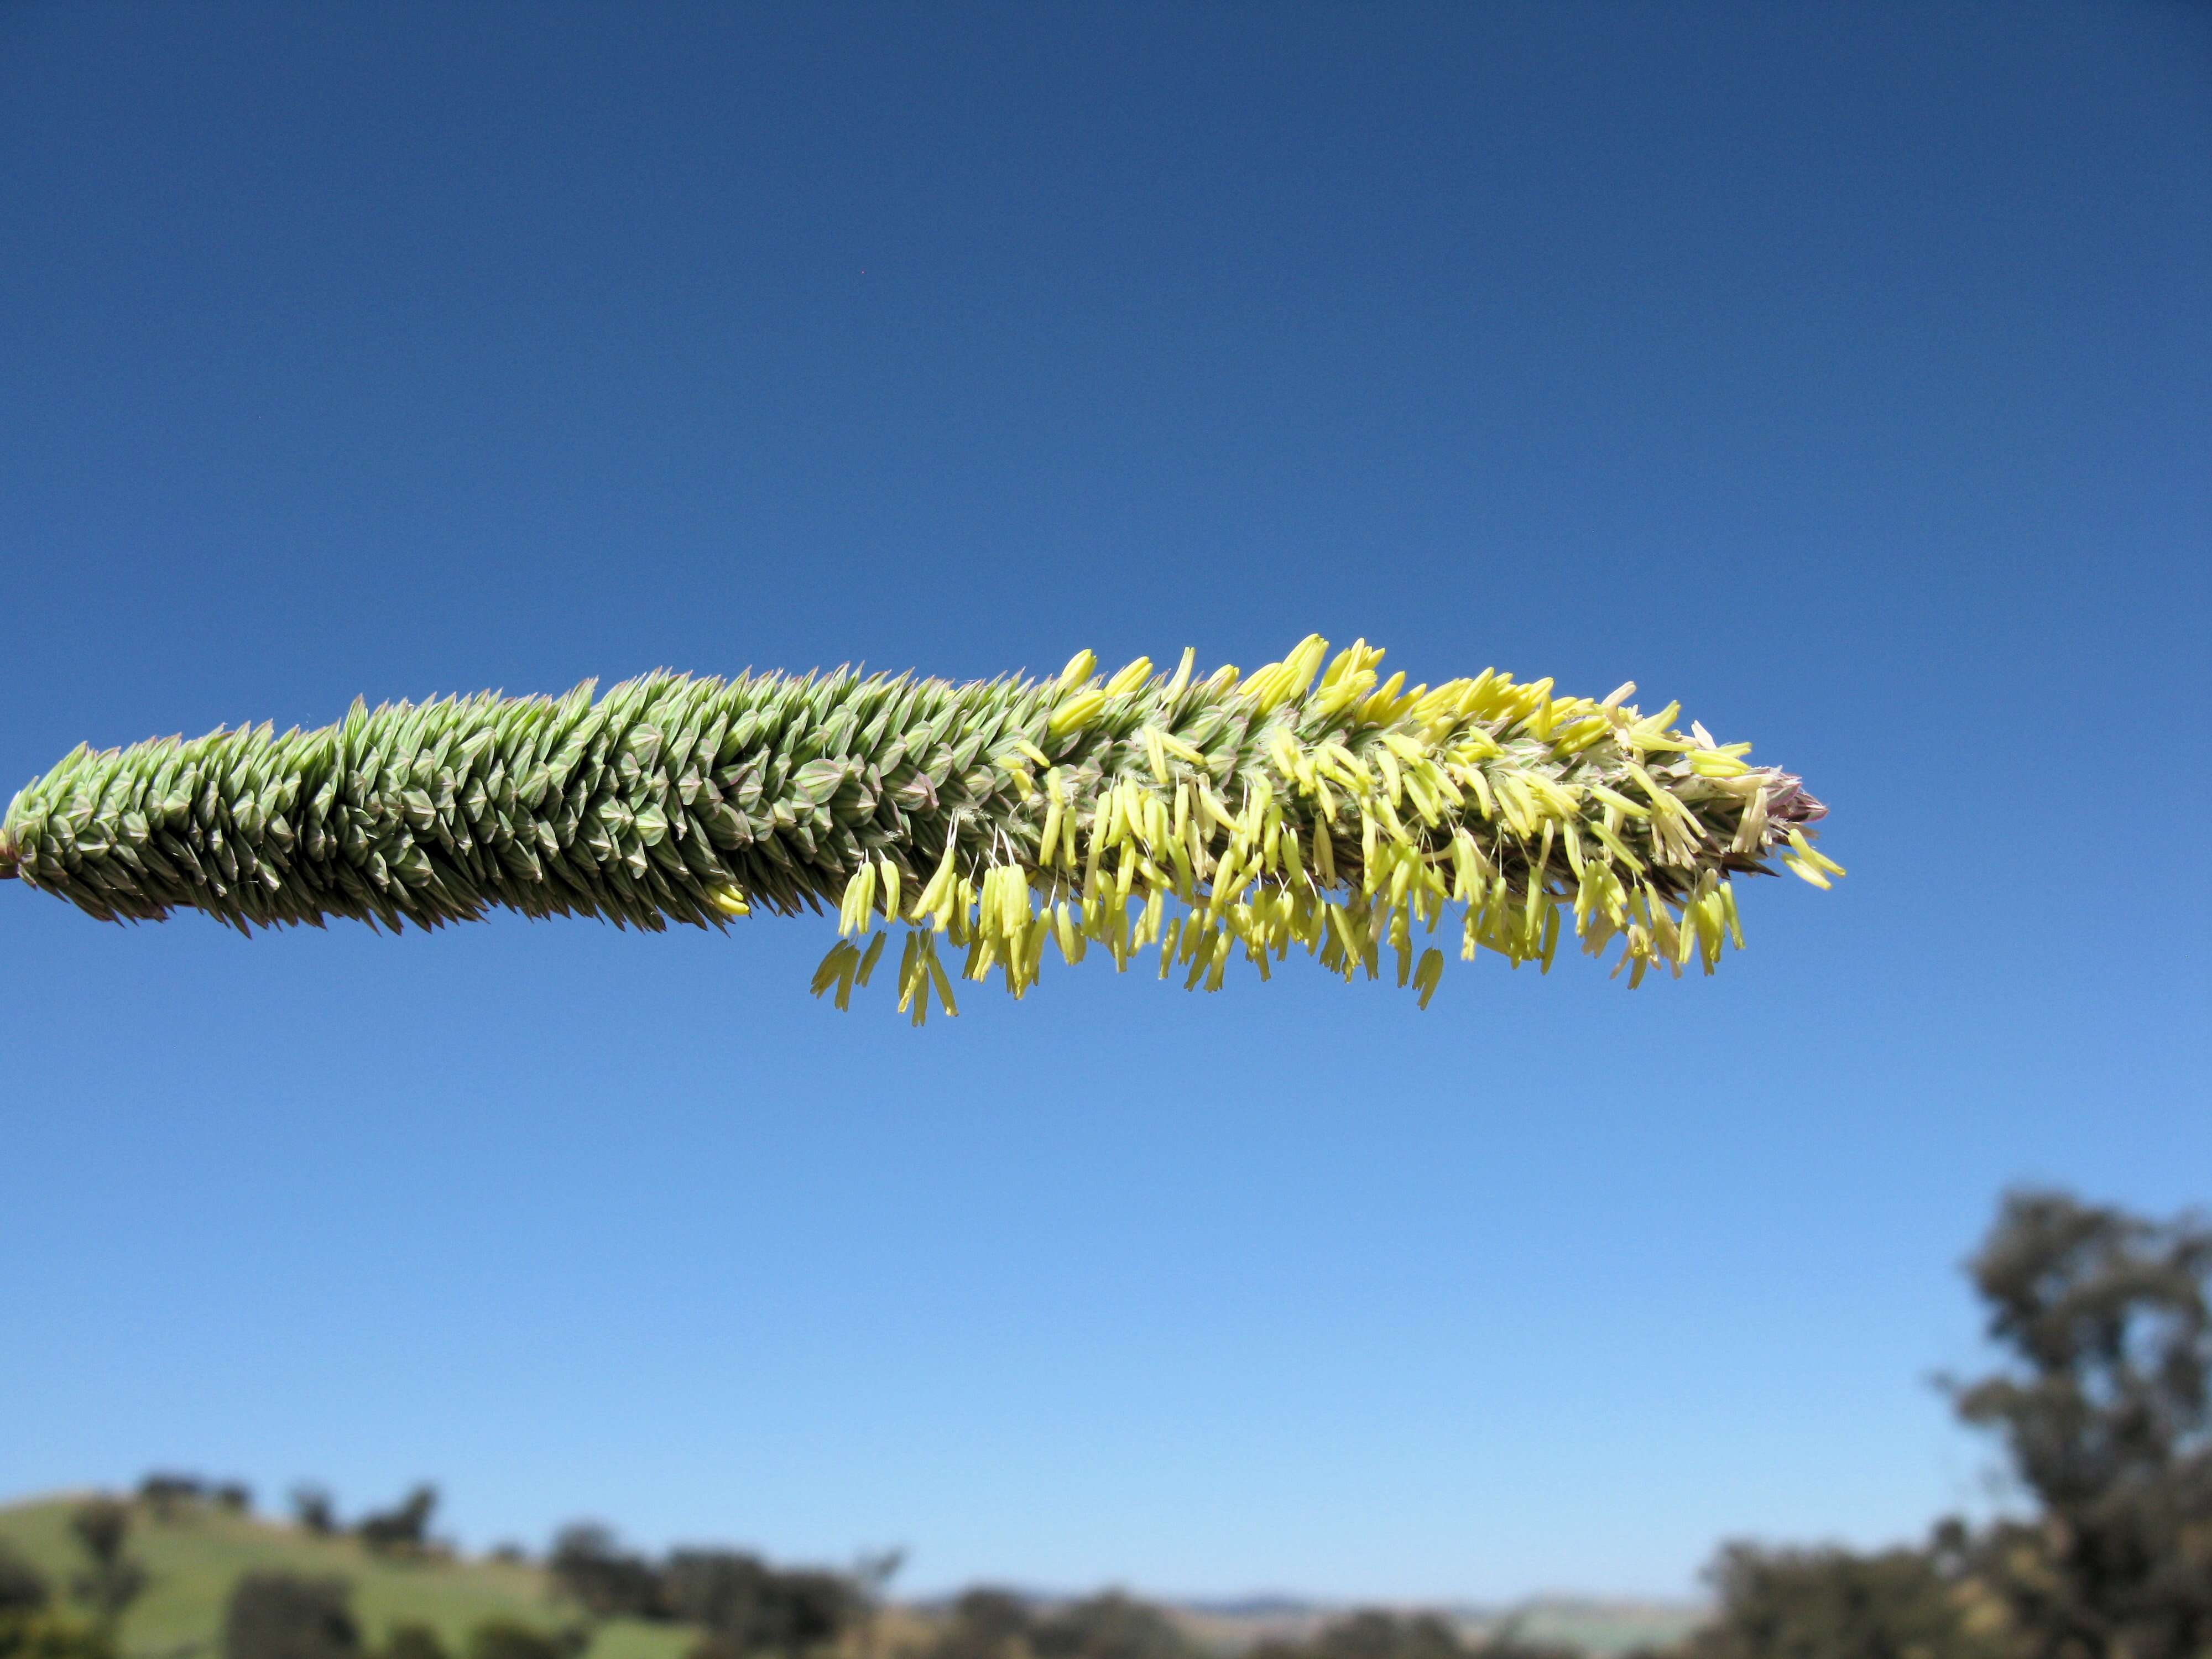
(1219, 818)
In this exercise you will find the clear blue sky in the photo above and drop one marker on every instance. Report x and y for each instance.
(1841, 371)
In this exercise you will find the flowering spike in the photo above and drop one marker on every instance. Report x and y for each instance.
(1215, 818)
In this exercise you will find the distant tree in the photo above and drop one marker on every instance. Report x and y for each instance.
(403, 1528)
(872, 1572)
(232, 1495)
(412, 1641)
(1374, 1634)
(1379, 1633)
(1111, 1625)
(508, 1553)
(985, 1623)
(31, 1627)
(725, 1591)
(23, 1588)
(510, 1639)
(1838, 1604)
(592, 1568)
(2105, 1408)
(1388, 1636)
(113, 1580)
(807, 1609)
(315, 1511)
(747, 1607)
(165, 1492)
(276, 1615)
(101, 1526)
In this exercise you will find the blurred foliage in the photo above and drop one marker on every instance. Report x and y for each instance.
(739, 1602)
(2101, 1404)
(167, 1493)
(23, 1588)
(602, 1578)
(113, 1580)
(748, 1608)
(998, 1624)
(276, 1615)
(405, 1527)
(1836, 1604)
(30, 1626)
(1372, 1633)
(413, 1640)
(1380, 1633)
(48, 1634)
(2106, 1318)
(315, 1511)
(1109, 1626)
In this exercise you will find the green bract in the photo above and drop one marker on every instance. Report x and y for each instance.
(1213, 818)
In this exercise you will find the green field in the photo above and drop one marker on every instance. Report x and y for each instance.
(196, 1556)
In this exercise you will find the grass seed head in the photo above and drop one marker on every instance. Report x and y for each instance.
(1238, 815)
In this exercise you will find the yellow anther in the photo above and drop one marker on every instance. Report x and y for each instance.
(1129, 678)
(1175, 687)
(1077, 712)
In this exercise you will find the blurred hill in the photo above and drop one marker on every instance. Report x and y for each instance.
(196, 1555)
(197, 1551)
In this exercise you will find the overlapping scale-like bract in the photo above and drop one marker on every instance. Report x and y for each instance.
(1219, 818)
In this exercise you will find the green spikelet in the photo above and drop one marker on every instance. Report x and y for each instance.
(1212, 819)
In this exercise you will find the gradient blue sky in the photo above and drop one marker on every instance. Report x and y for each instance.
(1841, 371)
